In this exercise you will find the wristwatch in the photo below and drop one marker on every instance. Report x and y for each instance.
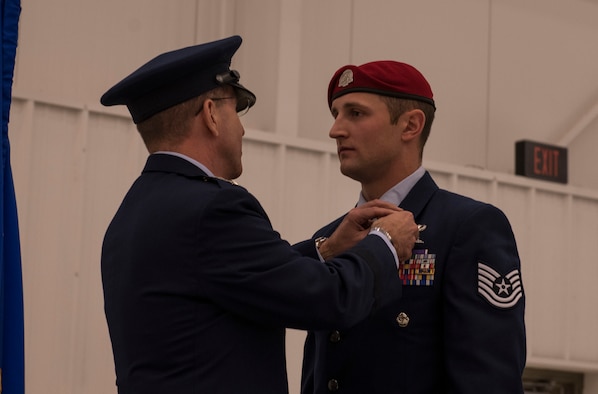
(380, 229)
(320, 241)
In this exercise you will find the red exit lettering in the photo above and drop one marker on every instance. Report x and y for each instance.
(546, 161)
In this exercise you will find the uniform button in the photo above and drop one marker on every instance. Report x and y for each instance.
(333, 385)
(335, 336)
(403, 319)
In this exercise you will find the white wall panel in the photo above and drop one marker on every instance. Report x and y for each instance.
(50, 260)
(75, 49)
(326, 45)
(263, 169)
(582, 151)
(259, 60)
(303, 191)
(581, 274)
(547, 301)
(114, 158)
(513, 200)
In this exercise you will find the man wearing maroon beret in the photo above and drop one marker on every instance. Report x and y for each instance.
(459, 326)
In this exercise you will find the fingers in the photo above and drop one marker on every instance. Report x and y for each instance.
(365, 214)
(398, 223)
(403, 231)
(405, 253)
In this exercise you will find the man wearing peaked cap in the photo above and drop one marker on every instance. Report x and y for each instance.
(198, 287)
(459, 325)
(177, 76)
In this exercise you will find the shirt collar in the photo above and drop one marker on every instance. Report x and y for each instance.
(398, 192)
(190, 160)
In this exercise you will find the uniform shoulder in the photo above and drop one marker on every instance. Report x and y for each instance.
(462, 204)
(222, 182)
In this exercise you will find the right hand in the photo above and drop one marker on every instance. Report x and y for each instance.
(403, 232)
(355, 226)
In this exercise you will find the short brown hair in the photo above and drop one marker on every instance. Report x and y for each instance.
(170, 127)
(397, 107)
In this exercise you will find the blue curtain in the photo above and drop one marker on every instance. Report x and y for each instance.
(12, 349)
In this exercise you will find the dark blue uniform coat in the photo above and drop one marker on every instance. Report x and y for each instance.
(459, 326)
(199, 288)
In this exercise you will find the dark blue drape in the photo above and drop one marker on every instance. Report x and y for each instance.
(12, 357)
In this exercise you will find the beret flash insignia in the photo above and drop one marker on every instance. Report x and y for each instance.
(346, 78)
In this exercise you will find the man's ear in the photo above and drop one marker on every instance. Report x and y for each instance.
(414, 122)
(210, 117)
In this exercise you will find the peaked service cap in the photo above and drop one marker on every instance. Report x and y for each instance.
(385, 77)
(174, 77)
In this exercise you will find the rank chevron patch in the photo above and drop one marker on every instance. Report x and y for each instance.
(501, 291)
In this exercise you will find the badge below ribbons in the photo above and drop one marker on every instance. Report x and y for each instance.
(419, 270)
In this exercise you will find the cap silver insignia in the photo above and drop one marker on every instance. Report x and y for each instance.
(346, 78)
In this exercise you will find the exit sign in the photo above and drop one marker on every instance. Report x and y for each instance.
(541, 161)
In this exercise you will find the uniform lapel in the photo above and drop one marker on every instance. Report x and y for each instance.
(420, 195)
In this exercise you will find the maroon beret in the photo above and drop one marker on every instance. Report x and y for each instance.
(386, 77)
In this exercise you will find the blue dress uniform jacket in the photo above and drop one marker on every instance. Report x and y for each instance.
(459, 326)
(199, 288)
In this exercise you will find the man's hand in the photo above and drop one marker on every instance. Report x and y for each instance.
(403, 232)
(356, 225)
